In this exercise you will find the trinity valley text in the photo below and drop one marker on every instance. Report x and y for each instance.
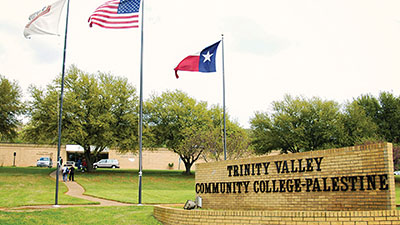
(285, 166)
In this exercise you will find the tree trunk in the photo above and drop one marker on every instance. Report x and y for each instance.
(188, 165)
(89, 160)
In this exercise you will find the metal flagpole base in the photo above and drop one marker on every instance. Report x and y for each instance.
(56, 206)
(140, 205)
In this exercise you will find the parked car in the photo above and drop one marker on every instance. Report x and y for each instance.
(106, 163)
(44, 162)
(397, 172)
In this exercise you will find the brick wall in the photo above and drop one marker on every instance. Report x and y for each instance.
(155, 160)
(353, 179)
(174, 216)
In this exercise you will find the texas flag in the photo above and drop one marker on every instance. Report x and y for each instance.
(200, 62)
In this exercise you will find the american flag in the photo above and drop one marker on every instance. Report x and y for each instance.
(116, 14)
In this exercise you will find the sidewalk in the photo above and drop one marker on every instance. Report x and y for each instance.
(77, 191)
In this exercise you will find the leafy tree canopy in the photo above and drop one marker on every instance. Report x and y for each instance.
(173, 117)
(300, 124)
(187, 126)
(237, 139)
(99, 110)
(385, 113)
(356, 126)
(11, 107)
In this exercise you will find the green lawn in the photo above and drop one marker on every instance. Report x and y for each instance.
(82, 215)
(34, 186)
(158, 186)
(31, 186)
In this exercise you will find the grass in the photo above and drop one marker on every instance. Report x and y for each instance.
(79, 215)
(158, 186)
(34, 186)
(31, 186)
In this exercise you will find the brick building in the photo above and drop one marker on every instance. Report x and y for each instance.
(27, 155)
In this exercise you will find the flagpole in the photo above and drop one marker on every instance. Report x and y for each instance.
(223, 89)
(61, 107)
(141, 109)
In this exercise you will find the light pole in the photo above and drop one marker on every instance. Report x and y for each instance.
(15, 154)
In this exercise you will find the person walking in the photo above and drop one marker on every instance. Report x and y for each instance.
(71, 173)
(84, 165)
(79, 164)
(65, 171)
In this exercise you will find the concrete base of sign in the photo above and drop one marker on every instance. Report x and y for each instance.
(169, 215)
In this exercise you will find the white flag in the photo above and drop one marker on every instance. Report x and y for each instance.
(45, 21)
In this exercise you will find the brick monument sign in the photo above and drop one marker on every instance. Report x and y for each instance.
(347, 179)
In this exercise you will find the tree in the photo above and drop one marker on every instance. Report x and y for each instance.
(192, 145)
(99, 112)
(299, 124)
(177, 121)
(396, 157)
(237, 140)
(384, 112)
(356, 126)
(10, 108)
(262, 137)
(296, 125)
(190, 129)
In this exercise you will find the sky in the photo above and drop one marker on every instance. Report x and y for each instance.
(335, 50)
